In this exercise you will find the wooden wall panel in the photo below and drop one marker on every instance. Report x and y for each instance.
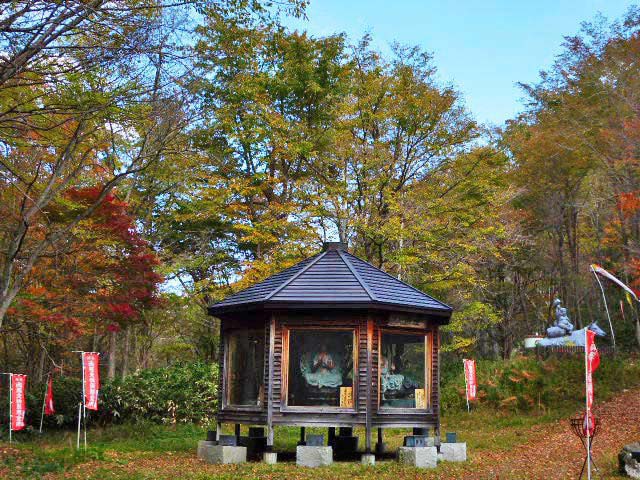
(228, 324)
(357, 320)
(284, 416)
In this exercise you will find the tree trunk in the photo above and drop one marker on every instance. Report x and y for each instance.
(135, 352)
(112, 355)
(125, 354)
(638, 330)
(5, 302)
(41, 366)
(95, 338)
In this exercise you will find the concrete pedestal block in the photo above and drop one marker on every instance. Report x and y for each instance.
(454, 452)
(368, 459)
(270, 458)
(420, 457)
(307, 456)
(202, 447)
(217, 454)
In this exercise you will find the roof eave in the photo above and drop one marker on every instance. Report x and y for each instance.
(221, 310)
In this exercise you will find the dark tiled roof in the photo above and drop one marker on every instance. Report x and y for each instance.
(333, 278)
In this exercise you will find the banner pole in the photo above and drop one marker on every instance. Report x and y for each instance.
(81, 404)
(84, 406)
(10, 408)
(79, 416)
(466, 385)
(586, 382)
(44, 401)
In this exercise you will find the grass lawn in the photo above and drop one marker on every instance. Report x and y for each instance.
(154, 451)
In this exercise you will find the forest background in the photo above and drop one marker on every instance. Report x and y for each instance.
(157, 156)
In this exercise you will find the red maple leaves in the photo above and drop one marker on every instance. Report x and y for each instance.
(104, 277)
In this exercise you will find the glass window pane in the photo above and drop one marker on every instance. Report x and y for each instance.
(402, 371)
(320, 368)
(245, 370)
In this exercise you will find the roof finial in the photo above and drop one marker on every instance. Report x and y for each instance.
(334, 246)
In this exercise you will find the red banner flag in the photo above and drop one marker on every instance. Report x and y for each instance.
(91, 370)
(470, 377)
(593, 359)
(18, 401)
(593, 362)
(48, 399)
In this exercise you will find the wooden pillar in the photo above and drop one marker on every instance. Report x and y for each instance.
(237, 433)
(369, 385)
(303, 439)
(272, 347)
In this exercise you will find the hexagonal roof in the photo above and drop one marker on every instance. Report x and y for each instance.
(332, 279)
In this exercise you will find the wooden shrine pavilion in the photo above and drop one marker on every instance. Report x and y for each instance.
(331, 341)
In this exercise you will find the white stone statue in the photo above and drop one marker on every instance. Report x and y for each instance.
(563, 325)
(562, 332)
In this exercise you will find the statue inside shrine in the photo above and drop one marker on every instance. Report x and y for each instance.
(322, 371)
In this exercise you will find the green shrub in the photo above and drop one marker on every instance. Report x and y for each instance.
(526, 383)
(67, 394)
(180, 393)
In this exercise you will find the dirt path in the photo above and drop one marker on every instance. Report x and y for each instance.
(554, 452)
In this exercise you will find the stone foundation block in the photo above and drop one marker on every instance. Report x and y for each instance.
(270, 458)
(202, 447)
(217, 454)
(420, 457)
(368, 459)
(454, 452)
(629, 460)
(307, 456)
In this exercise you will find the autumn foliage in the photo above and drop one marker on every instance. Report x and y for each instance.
(103, 278)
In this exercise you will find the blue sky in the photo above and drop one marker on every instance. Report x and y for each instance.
(481, 47)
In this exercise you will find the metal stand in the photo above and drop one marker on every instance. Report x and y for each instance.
(589, 457)
(578, 427)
